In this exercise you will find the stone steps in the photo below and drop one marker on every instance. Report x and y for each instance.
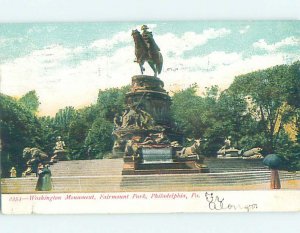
(148, 182)
(105, 176)
(169, 177)
(114, 166)
(87, 167)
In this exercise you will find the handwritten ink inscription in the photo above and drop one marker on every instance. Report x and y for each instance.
(218, 203)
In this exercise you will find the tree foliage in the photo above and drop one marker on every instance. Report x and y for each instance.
(269, 93)
(30, 101)
(99, 138)
(253, 111)
(19, 128)
(111, 101)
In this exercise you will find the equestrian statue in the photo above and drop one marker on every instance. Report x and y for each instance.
(147, 50)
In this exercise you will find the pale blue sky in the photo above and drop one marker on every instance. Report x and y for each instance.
(71, 58)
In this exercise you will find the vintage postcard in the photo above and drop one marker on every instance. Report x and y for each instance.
(150, 117)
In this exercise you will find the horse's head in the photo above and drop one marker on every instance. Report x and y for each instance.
(135, 33)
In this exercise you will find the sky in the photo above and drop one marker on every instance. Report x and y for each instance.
(67, 63)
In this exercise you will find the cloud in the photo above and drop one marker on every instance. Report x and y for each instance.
(289, 41)
(60, 83)
(226, 67)
(205, 63)
(244, 30)
(180, 44)
(121, 37)
(172, 44)
(78, 86)
(3, 41)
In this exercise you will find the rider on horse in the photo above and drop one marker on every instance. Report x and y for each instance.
(147, 50)
(148, 38)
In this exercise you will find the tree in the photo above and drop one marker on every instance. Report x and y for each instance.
(63, 119)
(195, 115)
(48, 134)
(112, 101)
(266, 97)
(99, 138)
(19, 129)
(84, 131)
(31, 101)
(236, 121)
(186, 110)
(77, 133)
(292, 86)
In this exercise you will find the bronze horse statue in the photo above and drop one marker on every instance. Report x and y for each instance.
(143, 53)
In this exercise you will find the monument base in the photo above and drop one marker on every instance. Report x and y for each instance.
(146, 134)
(161, 159)
(134, 168)
(138, 166)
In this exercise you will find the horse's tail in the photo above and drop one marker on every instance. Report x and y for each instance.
(160, 63)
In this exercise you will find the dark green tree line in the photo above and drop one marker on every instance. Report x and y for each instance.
(20, 128)
(253, 111)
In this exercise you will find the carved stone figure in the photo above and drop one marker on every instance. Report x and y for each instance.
(254, 153)
(117, 121)
(59, 145)
(227, 150)
(13, 172)
(227, 143)
(131, 148)
(34, 156)
(135, 117)
(145, 120)
(59, 149)
(175, 144)
(149, 140)
(162, 138)
(147, 50)
(191, 150)
(130, 117)
(117, 139)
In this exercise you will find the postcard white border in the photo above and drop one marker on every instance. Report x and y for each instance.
(193, 223)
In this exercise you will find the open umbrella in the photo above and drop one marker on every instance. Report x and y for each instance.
(273, 161)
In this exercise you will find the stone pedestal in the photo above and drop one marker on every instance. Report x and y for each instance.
(148, 95)
(129, 166)
(147, 92)
(161, 160)
(144, 137)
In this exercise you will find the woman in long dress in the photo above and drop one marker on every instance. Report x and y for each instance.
(44, 180)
